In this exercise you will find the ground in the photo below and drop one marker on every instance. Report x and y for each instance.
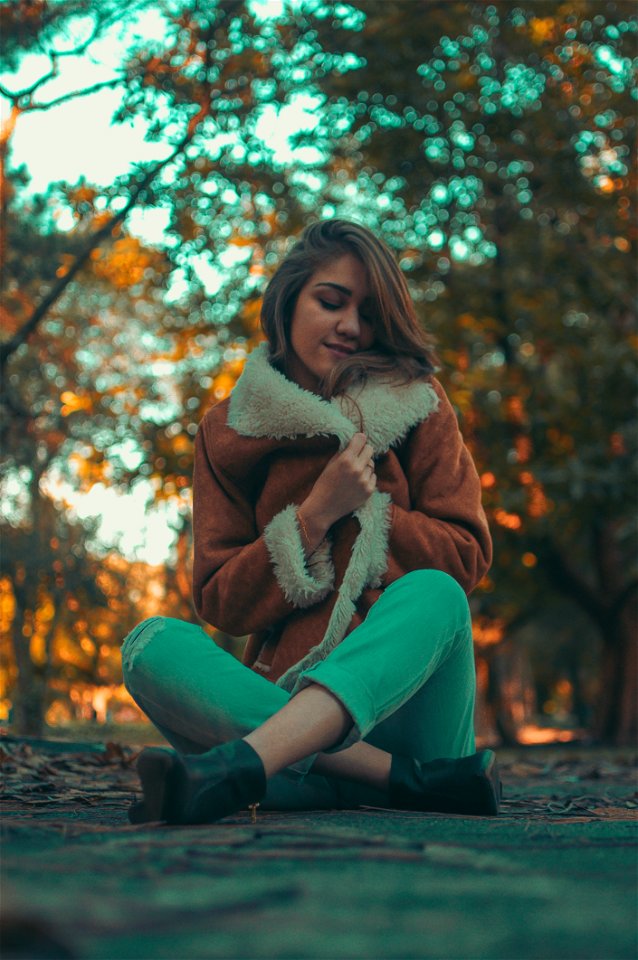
(552, 877)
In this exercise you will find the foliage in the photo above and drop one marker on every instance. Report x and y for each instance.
(493, 153)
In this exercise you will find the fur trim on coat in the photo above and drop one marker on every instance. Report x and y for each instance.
(265, 446)
(265, 403)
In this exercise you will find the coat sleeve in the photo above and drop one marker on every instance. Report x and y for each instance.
(244, 581)
(446, 528)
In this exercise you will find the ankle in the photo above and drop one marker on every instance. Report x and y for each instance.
(268, 759)
(360, 763)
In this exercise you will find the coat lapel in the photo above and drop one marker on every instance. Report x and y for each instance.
(265, 403)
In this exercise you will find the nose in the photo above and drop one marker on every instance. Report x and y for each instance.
(349, 324)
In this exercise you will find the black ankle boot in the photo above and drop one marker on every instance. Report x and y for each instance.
(468, 785)
(199, 788)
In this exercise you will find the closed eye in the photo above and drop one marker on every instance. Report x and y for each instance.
(329, 305)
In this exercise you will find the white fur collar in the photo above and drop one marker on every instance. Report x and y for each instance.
(265, 403)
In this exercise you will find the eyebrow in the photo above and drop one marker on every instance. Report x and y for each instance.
(337, 286)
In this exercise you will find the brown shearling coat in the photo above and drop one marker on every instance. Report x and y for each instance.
(258, 454)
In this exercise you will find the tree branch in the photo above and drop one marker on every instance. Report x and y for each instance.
(16, 408)
(28, 91)
(100, 24)
(103, 21)
(22, 335)
(104, 84)
(623, 596)
(569, 582)
(29, 107)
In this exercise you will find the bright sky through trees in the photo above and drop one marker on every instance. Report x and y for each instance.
(490, 144)
(49, 144)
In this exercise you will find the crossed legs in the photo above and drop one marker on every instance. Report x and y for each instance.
(413, 654)
(404, 680)
(307, 724)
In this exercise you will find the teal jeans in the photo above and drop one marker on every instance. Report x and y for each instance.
(406, 676)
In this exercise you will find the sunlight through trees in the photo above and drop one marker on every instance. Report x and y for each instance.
(491, 145)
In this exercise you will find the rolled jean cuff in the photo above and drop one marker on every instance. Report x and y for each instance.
(353, 695)
(298, 770)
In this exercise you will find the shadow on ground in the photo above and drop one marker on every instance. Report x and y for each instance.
(552, 877)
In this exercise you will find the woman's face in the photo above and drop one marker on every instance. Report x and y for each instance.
(332, 319)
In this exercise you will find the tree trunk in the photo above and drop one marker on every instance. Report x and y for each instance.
(183, 571)
(616, 720)
(496, 699)
(28, 713)
(29, 693)
(611, 605)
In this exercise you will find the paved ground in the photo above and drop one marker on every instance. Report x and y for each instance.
(553, 877)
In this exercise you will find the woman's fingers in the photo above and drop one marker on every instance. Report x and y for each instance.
(363, 462)
(348, 479)
(362, 449)
(366, 456)
(357, 444)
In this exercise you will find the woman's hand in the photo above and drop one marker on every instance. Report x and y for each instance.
(345, 483)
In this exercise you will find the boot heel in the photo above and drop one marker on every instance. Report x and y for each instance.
(156, 769)
(137, 812)
(198, 788)
(490, 783)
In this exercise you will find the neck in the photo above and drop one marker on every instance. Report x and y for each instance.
(299, 374)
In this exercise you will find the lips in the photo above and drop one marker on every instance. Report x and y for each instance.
(339, 350)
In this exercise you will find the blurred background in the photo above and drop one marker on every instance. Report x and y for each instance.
(157, 157)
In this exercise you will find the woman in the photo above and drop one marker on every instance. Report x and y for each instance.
(337, 520)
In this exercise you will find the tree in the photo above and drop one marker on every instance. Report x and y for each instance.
(494, 152)
(88, 326)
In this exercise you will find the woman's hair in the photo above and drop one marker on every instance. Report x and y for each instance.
(401, 350)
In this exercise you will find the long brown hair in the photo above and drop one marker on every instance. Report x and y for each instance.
(402, 351)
